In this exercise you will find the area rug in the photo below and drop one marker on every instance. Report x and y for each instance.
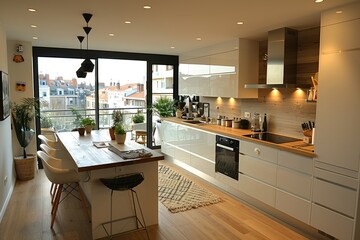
(179, 194)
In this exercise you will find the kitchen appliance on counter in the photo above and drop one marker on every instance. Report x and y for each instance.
(227, 157)
(272, 137)
(244, 124)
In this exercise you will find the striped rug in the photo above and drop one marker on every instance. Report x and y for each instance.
(178, 193)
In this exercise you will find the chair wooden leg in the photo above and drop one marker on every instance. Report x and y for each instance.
(56, 204)
(87, 214)
(55, 187)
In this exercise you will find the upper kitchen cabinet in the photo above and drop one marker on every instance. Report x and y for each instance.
(220, 70)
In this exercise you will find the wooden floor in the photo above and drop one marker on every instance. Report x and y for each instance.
(28, 217)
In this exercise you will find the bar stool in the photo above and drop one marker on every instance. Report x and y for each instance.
(125, 182)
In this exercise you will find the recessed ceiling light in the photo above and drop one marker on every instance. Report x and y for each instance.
(31, 10)
(33, 26)
(198, 38)
(338, 12)
(35, 38)
(319, 1)
(172, 47)
(147, 7)
(111, 34)
(127, 22)
(240, 23)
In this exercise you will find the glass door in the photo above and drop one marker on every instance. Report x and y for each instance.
(161, 85)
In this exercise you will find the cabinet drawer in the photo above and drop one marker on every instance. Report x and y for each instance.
(294, 182)
(259, 151)
(256, 189)
(202, 165)
(294, 206)
(331, 222)
(336, 197)
(295, 162)
(258, 169)
(182, 155)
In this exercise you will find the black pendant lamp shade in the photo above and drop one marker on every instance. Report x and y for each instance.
(80, 73)
(87, 65)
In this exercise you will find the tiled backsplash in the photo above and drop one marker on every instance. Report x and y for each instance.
(286, 109)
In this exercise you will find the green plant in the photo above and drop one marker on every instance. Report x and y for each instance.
(138, 118)
(46, 122)
(117, 117)
(164, 107)
(22, 115)
(120, 129)
(78, 117)
(87, 121)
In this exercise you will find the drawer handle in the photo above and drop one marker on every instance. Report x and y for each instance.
(257, 151)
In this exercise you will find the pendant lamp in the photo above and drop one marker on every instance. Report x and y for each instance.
(87, 65)
(80, 73)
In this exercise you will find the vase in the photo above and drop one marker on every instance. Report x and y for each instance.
(120, 138)
(112, 133)
(81, 131)
(88, 129)
(25, 167)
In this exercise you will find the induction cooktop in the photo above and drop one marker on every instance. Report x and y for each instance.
(271, 137)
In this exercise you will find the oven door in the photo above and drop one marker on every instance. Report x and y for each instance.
(227, 161)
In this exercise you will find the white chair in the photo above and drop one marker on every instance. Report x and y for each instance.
(51, 143)
(60, 176)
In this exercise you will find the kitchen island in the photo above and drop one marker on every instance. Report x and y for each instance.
(93, 157)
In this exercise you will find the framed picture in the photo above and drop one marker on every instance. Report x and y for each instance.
(4, 95)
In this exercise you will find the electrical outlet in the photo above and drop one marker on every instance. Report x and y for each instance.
(5, 180)
(247, 115)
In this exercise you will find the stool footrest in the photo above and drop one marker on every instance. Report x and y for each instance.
(140, 227)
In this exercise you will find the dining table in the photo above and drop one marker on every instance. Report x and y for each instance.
(97, 156)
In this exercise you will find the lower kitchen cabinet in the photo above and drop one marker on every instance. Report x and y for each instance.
(292, 205)
(257, 189)
(203, 165)
(332, 222)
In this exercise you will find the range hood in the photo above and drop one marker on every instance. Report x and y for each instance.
(281, 60)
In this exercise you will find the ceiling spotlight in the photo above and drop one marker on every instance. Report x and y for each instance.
(33, 26)
(147, 7)
(198, 38)
(240, 23)
(35, 38)
(319, 1)
(111, 34)
(31, 10)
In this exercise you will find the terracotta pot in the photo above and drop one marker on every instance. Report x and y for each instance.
(88, 129)
(81, 131)
(25, 167)
(112, 133)
(120, 138)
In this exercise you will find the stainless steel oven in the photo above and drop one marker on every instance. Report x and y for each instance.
(227, 157)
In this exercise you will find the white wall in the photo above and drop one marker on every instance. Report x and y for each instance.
(6, 155)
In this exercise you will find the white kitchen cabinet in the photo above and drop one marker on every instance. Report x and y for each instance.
(203, 165)
(338, 89)
(257, 189)
(258, 169)
(221, 70)
(259, 151)
(292, 205)
(203, 144)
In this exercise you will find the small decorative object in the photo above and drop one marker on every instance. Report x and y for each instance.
(20, 86)
(4, 96)
(18, 58)
(88, 123)
(22, 116)
(120, 134)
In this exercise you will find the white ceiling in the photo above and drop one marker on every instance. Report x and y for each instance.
(168, 23)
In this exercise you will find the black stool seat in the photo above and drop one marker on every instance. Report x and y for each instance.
(124, 182)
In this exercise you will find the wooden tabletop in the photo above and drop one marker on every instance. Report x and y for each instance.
(89, 157)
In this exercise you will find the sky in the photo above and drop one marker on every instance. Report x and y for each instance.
(127, 71)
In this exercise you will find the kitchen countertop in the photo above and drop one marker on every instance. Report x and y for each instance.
(298, 147)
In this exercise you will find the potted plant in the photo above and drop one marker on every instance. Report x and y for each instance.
(120, 133)
(22, 116)
(138, 118)
(164, 107)
(88, 123)
(117, 118)
(77, 122)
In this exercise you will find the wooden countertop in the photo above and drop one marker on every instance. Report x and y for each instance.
(297, 147)
(89, 157)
